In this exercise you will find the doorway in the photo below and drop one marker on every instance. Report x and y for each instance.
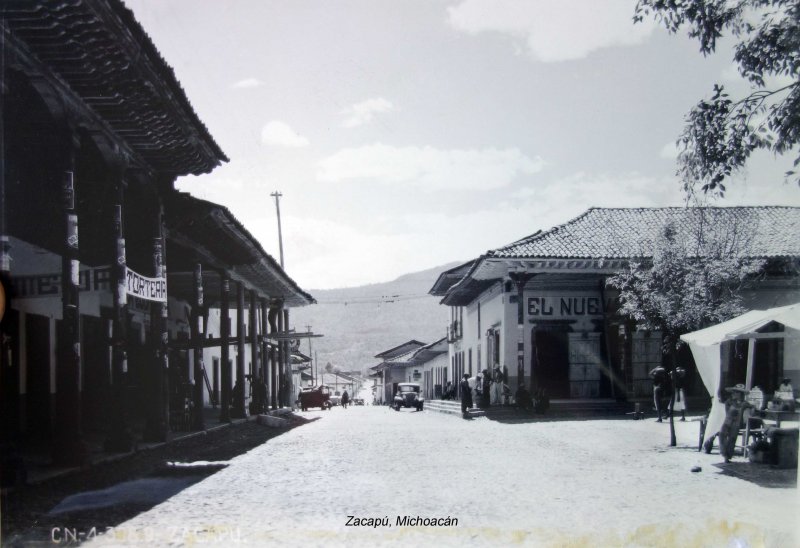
(550, 360)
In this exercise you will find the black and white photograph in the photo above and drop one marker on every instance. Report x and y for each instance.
(361, 273)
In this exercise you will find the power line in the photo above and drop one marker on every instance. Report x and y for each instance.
(377, 300)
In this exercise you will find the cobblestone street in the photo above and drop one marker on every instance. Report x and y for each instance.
(599, 482)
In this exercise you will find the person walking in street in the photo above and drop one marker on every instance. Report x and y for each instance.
(345, 399)
(466, 395)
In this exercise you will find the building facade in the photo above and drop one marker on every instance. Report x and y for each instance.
(113, 278)
(541, 308)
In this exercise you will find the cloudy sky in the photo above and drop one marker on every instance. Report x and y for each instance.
(408, 134)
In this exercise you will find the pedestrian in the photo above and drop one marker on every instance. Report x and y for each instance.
(659, 376)
(497, 385)
(466, 395)
(345, 399)
(678, 383)
(477, 386)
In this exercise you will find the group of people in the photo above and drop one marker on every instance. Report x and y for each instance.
(489, 388)
(665, 384)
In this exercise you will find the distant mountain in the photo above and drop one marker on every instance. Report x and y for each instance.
(359, 322)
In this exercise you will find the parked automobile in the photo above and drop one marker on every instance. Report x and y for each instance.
(358, 401)
(316, 396)
(336, 398)
(408, 395)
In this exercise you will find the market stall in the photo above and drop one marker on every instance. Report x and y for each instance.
(752, 327)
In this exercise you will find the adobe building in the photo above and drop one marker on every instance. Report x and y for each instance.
(541, 308)
(390, 370)
(414, 361)
(113, 279)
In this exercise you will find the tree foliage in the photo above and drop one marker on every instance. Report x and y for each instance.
(694, 279)
(722, 132)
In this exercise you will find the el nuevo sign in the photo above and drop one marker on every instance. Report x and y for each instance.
(567, 306)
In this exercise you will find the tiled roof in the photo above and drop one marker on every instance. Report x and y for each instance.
(449, 278)
(195, 226)
(99, 50)
(401, 349)
(631, 232)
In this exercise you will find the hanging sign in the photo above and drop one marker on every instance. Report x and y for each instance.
(151, 289)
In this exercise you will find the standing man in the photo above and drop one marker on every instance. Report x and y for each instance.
(345, 399)
(466, 395)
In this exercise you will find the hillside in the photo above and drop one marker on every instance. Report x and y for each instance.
(359, 322)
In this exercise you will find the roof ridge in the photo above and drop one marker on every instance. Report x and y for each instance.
(540, 233)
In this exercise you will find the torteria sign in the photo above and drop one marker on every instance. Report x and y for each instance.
(152, 289)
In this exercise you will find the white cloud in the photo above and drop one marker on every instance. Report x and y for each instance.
(582, 190)
(669, 151)
(429, 168)
(278, 133)
(363, 112)
(731, 73)
(554, 30)
(248, 83)
(324, 253)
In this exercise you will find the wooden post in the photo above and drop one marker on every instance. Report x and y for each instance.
(239, 410)
(157, 426)
(225, 336)
(69, 446)
(264, 347)
(751, 352)
(198, 421)
(288, 390)
(273, 357)
(281, 361)
(255, 365)
(119, 438)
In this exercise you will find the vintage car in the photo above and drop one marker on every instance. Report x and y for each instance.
(336, 398)
(358, 401)
(316, 396)
(408, 395)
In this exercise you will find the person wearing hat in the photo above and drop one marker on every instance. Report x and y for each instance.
(466, 395)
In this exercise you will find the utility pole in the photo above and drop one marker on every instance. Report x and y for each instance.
(277, 196)
(310, 355)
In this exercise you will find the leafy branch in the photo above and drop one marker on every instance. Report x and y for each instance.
(720, 133)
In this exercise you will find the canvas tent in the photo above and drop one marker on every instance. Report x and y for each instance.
(705, 346)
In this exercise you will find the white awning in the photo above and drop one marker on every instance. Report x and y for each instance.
(705, 346)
